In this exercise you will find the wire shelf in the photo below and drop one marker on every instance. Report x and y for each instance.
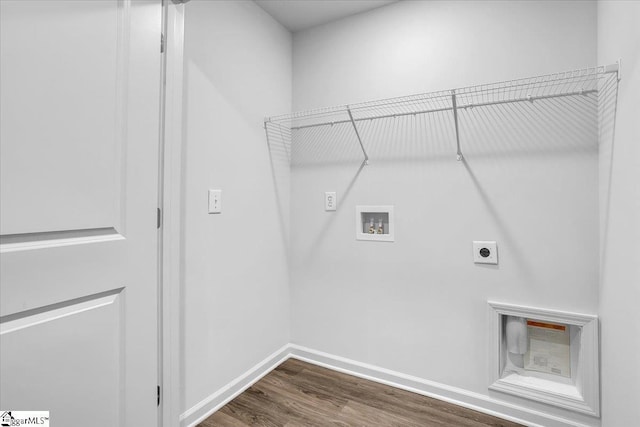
(583, 82)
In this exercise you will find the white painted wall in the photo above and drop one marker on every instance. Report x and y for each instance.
(418, 305)
(235, 272)
(619, 37)
(422, 46)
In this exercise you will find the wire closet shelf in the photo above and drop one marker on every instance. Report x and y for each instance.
(581, 82)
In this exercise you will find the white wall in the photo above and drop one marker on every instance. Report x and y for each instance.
(235, 272)
(619, 37)
(418, 305)
(422, 46)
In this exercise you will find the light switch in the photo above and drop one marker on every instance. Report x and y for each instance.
(215, 201)
(485, 252)
(330, 201)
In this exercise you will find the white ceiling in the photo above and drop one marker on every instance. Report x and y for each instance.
(298, 15)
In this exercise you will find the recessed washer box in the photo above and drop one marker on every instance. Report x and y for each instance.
(375, 223)
(485, 252)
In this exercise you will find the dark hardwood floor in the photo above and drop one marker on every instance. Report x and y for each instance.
(300, 394)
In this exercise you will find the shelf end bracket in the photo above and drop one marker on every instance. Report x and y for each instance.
(614, 68)
(355, 128)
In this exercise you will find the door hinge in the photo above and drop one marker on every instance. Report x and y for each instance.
(159, 218)
(161, 43)
(158, 395)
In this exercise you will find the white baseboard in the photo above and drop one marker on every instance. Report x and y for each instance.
(217, 400)
(467, 399)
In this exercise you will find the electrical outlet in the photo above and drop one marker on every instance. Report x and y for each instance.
(215, 201)
(330, 201)
(485, 252)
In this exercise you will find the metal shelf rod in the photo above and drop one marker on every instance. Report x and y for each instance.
(436, 110)
(530, 98)
(383, 116)
(535, 83)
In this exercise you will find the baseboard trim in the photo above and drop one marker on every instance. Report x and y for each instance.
(467, 399)
(217, 400)
(475, 401)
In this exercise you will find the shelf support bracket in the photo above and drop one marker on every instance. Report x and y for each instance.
(355, 128)
(455, 120)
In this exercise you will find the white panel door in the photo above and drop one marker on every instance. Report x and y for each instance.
(79, 138)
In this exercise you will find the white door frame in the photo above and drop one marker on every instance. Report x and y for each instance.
(171, 274)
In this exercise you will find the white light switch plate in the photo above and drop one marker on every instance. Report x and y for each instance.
(330, 201)
(485, 252)
(215, 201)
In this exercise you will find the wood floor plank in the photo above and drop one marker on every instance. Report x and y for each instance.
(363, 415)
(310, 389)
(372, 394)
(254, 411)
(289, 389)
(291, 366)
(299, 394)
(307, 409)
(392, 399)
(221, 419)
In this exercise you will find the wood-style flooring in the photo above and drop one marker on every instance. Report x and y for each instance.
(300, 394)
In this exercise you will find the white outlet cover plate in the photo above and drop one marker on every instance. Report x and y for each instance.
(330, 201)
(480, 255)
